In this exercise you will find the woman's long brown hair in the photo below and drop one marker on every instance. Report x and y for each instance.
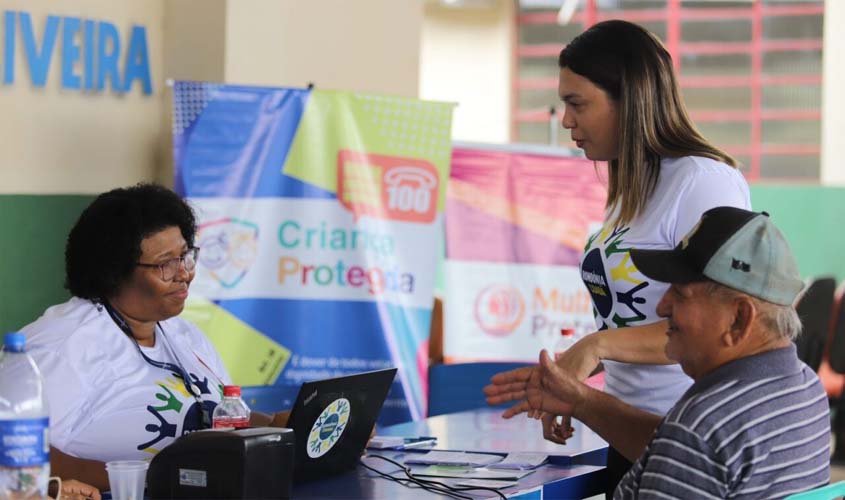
(635, 70)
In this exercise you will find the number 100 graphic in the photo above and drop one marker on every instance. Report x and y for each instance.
(387, 187)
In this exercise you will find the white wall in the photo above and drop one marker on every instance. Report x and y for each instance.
(833, 99)
(361, 45)
(63, 141)
(466, 57)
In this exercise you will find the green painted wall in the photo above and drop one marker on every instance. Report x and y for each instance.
(34, 229)
(813, 220)
(32, 269)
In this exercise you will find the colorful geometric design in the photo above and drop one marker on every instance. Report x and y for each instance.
(520, 208)
(297, 147)
(392, 126)
(250, 356)
(328, 428)
(229, 247)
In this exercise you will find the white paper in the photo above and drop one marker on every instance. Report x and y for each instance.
(453, 458)
(466, 472)
(486, 483)
(381, 442)
(521, 461)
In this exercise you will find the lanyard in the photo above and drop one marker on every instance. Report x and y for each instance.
(177, 369)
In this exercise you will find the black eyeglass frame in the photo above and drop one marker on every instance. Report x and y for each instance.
(183, 259)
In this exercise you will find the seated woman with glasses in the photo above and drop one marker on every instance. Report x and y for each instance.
(124, 375)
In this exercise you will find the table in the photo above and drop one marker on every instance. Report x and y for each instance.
(576, 470)
(484, 430)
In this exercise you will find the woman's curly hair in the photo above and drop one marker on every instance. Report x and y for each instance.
(105, 243)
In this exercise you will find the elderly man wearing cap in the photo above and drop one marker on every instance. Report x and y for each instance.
(755, 422)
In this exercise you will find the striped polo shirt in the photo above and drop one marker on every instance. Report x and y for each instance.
(757, 427)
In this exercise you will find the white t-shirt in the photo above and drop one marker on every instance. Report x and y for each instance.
(108, 403)
(622, 296)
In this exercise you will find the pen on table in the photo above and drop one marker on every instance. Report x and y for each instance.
(419, 444)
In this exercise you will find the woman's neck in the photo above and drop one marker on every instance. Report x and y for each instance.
(142, 331)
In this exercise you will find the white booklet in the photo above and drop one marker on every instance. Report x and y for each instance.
(487, 483)
(526, 460)
(464, 472)
(453, 458)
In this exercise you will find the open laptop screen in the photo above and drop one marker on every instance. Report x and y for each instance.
(332, 420)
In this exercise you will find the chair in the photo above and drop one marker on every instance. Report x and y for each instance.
(828, 492)
(814, 307)
(269, 398)
(836, 361)
(457, 387)
(836, 352)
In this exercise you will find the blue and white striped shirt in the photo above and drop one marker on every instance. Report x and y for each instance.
(757, 427)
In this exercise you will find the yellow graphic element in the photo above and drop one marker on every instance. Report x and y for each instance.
(362, 183)
(597, 290)
(176, 385)
(151, 450)
(605, 232)
(251, 357)
(623, 271)
(685, 241)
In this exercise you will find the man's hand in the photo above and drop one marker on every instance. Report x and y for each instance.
(542, 391)
(557, 429)
(581, 360)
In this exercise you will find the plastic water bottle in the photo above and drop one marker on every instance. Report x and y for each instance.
(565, 341)
(232, 411)
(24, 423)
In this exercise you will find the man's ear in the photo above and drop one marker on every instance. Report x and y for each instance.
(744, 313)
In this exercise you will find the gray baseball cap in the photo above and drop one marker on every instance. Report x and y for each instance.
(737, 248)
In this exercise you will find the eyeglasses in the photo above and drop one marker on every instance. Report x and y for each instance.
(170, 267)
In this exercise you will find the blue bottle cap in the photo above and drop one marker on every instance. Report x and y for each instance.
(14, 342)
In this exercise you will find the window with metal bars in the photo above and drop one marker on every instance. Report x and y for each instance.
(750, 72)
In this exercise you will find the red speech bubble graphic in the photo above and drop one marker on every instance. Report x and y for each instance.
(387, 187)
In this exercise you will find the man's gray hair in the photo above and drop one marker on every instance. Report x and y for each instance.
(778, 320)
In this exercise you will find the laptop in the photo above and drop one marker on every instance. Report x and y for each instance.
(332, 420)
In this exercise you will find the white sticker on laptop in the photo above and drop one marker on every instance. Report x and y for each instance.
(328, 428)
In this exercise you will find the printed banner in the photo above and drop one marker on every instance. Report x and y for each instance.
(517, 221)
(320, 220)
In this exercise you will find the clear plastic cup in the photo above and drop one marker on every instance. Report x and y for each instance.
(127, 479)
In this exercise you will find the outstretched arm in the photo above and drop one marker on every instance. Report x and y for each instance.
(549, 389)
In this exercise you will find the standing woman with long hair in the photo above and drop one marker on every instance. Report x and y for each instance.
(623, 106)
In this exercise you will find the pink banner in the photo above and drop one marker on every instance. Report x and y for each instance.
(516, 226)
(515, 207)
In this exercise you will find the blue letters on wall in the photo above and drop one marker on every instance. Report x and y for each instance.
(90, 53)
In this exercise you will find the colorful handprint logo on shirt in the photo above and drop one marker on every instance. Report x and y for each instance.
(177, 405)
(607, 258)
(229, 247)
